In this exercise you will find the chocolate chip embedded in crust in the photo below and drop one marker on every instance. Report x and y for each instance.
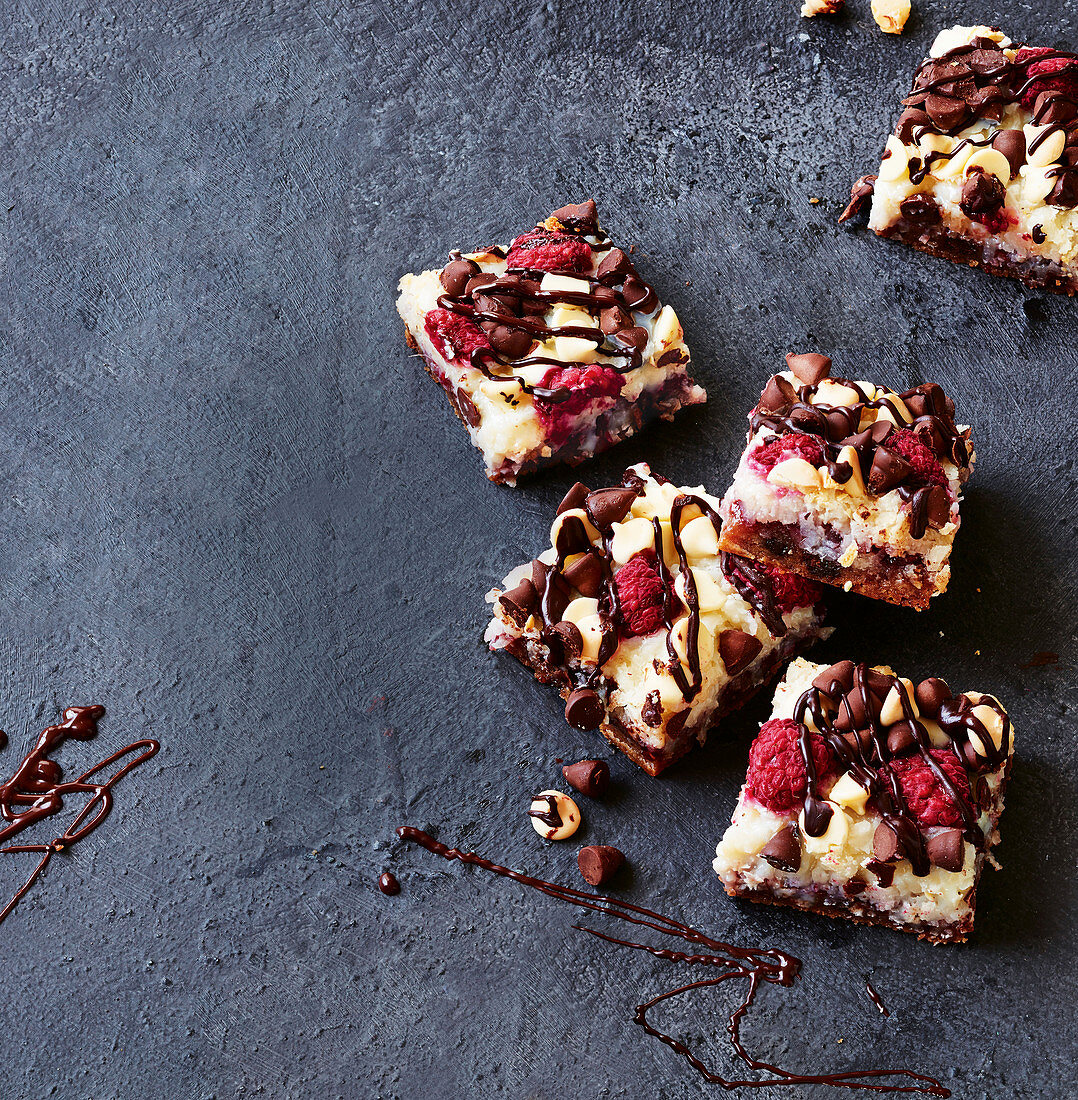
(778, 394)
(885, 843)
(586, 575)
(783, 850)
(931, 694)
(888, 470)
(519, 602)
(609, 506)
(467, 408)
(574, 498)
(937, 507)
(599, 863)
(584, 709)
(982, 194)
(455, 275)
(613, 319)
(580, 215)
(809, 367)
(1012, 144)
(947, 849)
(900, 738)
(567, 635)
(854, 887)
(738, 650)
(885, 874)
(920, 208)
(836, 680)
(613, 266)
(590, 777)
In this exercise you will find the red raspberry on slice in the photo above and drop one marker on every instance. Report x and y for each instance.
(447, 329)
(588, 383)
(1057, 74)
(776, 776)
(794, 445)
(927, 798)
(548, 251)
(640, 594)
(792, 591)
(926, 467)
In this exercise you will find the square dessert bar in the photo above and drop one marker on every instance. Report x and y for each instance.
(983, 165)
(872, 799)
(649, 631)
(850, 483)
(550, 350)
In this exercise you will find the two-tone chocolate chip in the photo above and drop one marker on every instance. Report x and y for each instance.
(947, 849)
(738, 650)
(519, 602)
(609, 506)
(809, 367)
(586, 574)
(783, 850)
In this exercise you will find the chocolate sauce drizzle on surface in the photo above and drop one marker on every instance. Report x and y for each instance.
(866, 758)
(389, 885)
(521, 286)
(37, 789)
(876, 999)
(756, 965)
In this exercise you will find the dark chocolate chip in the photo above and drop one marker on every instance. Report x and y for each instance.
(947, 849)
(1012, 144)
(613, 319)
(1065, 191)
(584, 709)
(590, 777)
(982, 194)
(859, 740)
(888, 470)
(609, 506)
(938, 507)
(860, 198)
(512, 342)
(520, 602)
(557, 596)
(852, 714)
(652, 710)
(870, 438)
(885, 843)
(580, 215)
(920, 208)
(467, 408)
(638, 295)
(455, 275)
(540, 571)
(836, 680)
(778, 394)
(783, 850)
(854, 886)
(613, 266)
(945, 112)
(737, 650)
(586, 575)
(606, 296)
(885, 874)
(840, 422)
(900, 738)
(879, 683)
(599, 863)
(809, 367)
(567, 635)
(911, 117)
(574, 498)
(931, 694)
(634, 339)
(478, 282)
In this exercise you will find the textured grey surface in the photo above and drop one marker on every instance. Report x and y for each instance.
(240, 516)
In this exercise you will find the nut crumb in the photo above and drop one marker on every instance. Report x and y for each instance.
(814, 201)
(811, 8)
(891, 15)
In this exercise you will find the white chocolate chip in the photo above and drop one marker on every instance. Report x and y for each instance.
(795, 473)
(954, 165)
(709, 596)
(992, 721)
(580, 608)
(560, 806)
(574, 349)
(591, 637)
(1050, 149)
(564, 282)
(698, 538)
(894, 167)
(812, 8)
(991, 161)
(849, 793)
(630, 537)
(571, 316)
(892, 711)
(834, 836)
(667, 328)
(835, 394)
(855, 485)
(891, 15)
(1038, 183)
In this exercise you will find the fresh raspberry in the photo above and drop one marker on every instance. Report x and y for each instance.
(926, 797)
(1060, 74)
(548, 251)
(447, 329)
(792, 591)
(776, 776)
(926, 467)
(640, 593)
(589, 383)
(794, 445)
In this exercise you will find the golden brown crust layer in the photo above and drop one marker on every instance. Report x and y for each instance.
(744, 539)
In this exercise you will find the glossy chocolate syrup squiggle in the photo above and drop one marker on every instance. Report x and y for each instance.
(867, 763)
(37, 790)
(756, 965)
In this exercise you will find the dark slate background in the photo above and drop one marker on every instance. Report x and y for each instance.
(240, 516)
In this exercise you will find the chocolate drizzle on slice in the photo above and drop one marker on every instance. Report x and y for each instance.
(755, 965)
(37, 790)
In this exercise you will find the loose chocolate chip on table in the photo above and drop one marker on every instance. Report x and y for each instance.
(599, 863)
(885, 845)
(888, 470)
(783, 850)
(520, 602)
(567, 635)
(584, 709)
(574, 498)
(931, 694)
(389, 885)
(586, 575)
(1012, 144)
(455, 275)
(737, 650)
(590, 777)
(947, 849)
(809, 367)
(609, 506)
